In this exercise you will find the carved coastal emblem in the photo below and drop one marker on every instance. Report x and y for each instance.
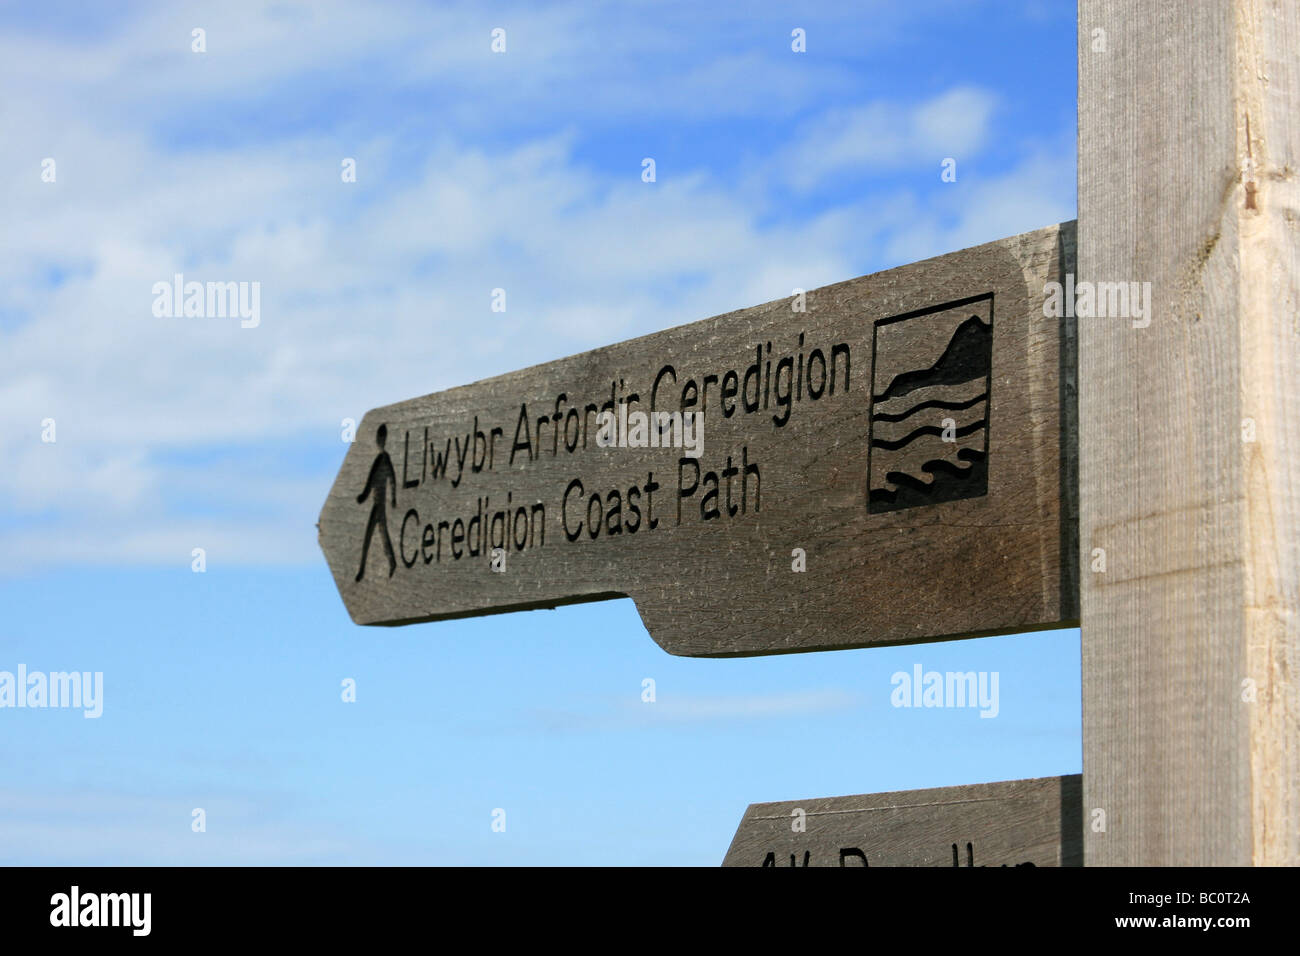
(930, 418)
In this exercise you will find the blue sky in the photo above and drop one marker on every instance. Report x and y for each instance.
(475, 171)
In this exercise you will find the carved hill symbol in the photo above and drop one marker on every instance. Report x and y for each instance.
(929, 413)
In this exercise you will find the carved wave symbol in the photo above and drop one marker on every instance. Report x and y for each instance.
(930, 427)
(965, 358)
(947, 481)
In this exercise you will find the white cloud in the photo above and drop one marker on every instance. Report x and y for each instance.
(675, 708)
(1034, 194)
(794, 704)
(883, 136)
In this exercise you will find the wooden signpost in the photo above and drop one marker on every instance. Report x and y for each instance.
(1189, 152)
(900, 458)
(879, 461)
(1013, 823)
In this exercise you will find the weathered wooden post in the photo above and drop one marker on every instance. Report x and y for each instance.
(1189, 151)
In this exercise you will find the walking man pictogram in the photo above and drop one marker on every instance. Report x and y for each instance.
(382, 479)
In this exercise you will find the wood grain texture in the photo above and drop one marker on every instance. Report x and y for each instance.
(967, 536)
(1012, 823)
(1189, 143)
